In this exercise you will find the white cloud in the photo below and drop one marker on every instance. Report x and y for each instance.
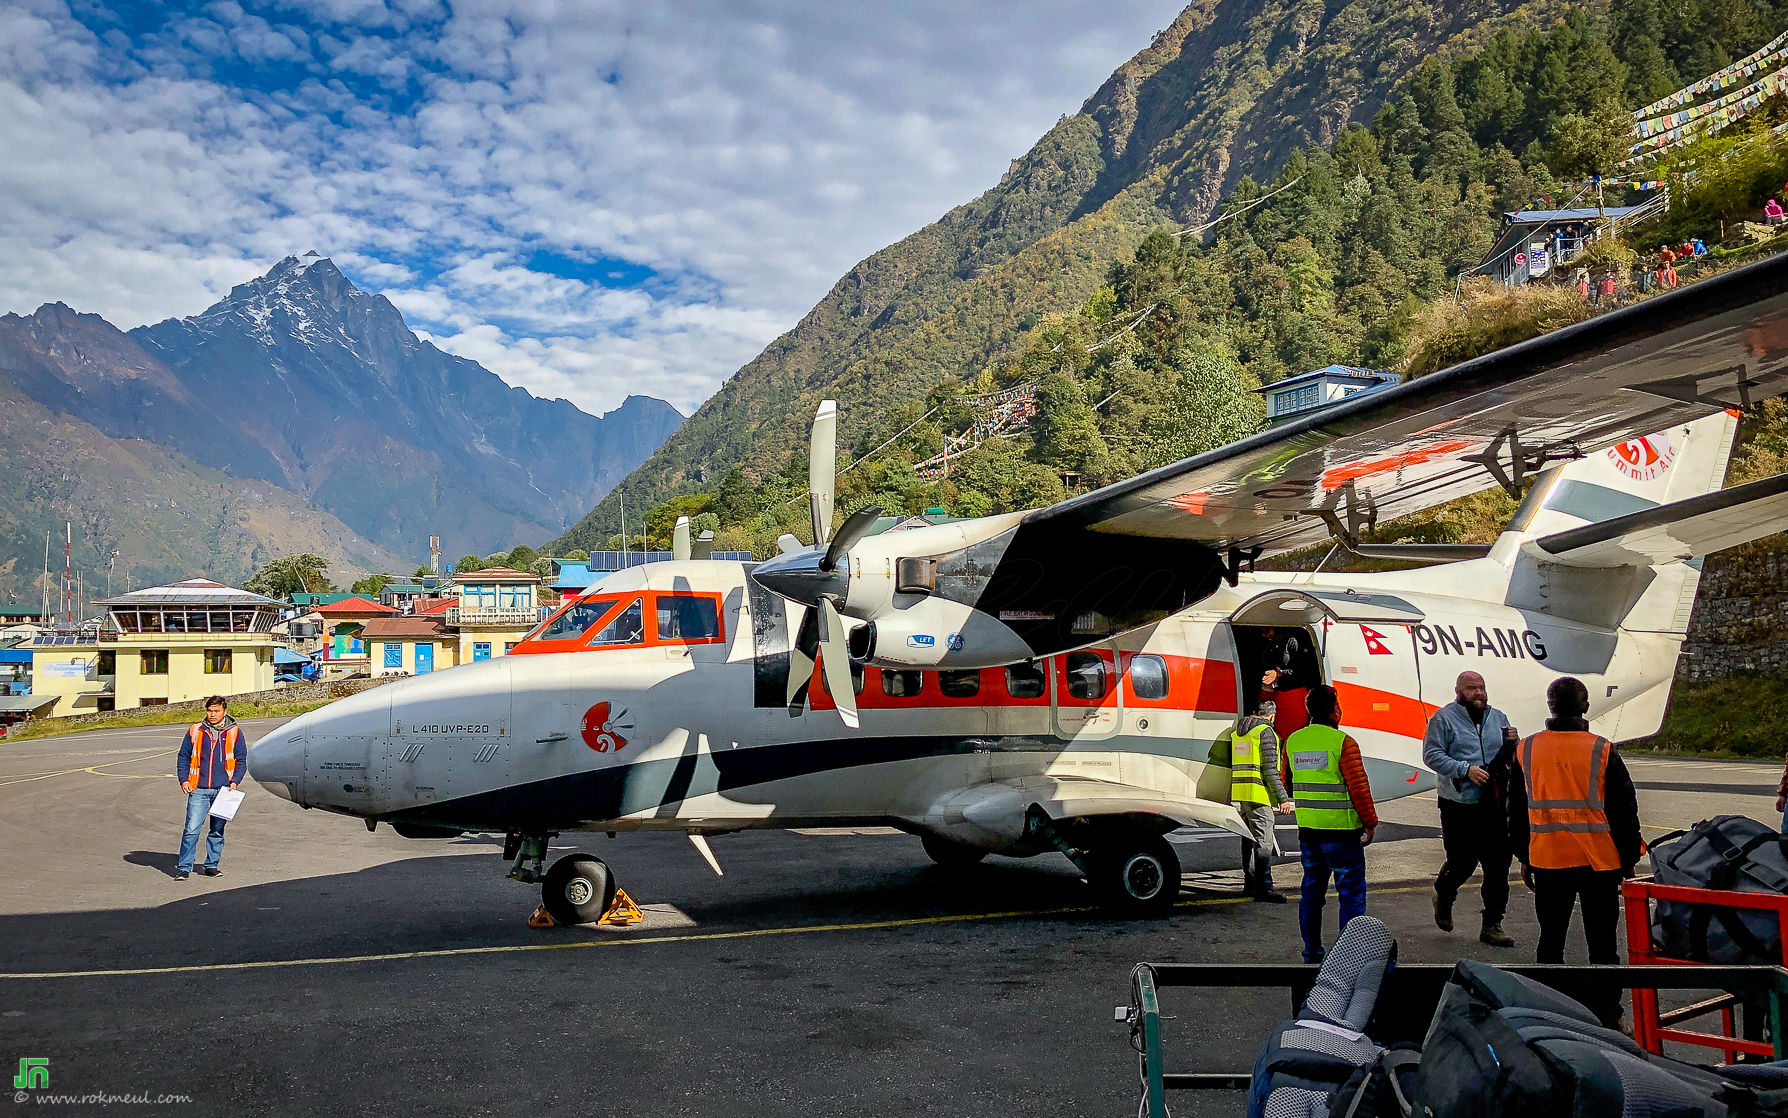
(747, 155)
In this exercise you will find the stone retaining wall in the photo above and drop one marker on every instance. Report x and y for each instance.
(1740, 621)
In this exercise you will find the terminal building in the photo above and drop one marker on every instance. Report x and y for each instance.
(165, 644)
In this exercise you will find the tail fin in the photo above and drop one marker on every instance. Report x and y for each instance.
(1639, 474)
(1672, 465)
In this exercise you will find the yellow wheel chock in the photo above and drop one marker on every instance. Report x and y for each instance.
(622, 913)
(541, 918)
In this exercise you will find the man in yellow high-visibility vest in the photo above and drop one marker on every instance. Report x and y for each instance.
(1336, 816)
(1255, 791)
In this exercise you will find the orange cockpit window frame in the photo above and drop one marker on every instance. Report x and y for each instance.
(609, 602)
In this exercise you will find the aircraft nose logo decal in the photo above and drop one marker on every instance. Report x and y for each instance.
(602, 729)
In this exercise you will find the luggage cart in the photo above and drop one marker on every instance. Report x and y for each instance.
(1652, 1027)
(1406, 1003)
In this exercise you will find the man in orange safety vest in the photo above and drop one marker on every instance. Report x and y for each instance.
(213, 756)
(1581, 833)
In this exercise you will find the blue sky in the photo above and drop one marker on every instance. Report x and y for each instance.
(592, 199)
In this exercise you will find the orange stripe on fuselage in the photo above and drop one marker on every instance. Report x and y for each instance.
(1368, 708)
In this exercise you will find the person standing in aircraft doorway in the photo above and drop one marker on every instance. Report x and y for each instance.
(1466, 741)
(1336, 816)
(1258, 795)
(1283, 678)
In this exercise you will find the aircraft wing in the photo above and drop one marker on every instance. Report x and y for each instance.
(1677, 531)
(1000, 806)
(1720, 343)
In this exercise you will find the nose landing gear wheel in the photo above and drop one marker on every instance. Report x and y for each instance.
(1137, 875)
(578, 889)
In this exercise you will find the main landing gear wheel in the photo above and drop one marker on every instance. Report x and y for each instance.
(1136, 874)
(578, 889)
(950, 855)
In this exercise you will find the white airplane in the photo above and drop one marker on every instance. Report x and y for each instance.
(1054, 679)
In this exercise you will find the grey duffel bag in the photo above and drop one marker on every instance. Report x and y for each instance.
(1728, 852)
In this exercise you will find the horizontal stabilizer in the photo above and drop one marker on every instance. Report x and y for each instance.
(1675, 532)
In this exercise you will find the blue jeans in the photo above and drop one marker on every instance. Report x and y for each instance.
(198, 808)
(1324, 853)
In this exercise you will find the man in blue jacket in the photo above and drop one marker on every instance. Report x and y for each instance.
(213, 756)
(1463, 742)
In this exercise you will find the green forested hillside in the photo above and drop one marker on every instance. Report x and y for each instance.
(1141, 341)
(1229, 88)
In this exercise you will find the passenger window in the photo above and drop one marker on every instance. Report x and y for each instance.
(901, 685)
(1025, 681)
(573, 622)
(1148, 677)
(1086, 675)
(959, 685)
(628, 627)
(685, 617)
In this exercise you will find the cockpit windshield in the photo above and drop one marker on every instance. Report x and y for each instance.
(628, 627)
(575, 619)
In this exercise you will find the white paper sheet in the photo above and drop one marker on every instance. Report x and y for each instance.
(225, 805)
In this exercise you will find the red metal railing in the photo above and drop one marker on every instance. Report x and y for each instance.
(1652, 1028)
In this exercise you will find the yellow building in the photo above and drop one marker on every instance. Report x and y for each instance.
(409, 645)
(166, 644)
(497, 608)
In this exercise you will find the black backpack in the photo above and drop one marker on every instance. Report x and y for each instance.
(1726, 852)
(1504, 1045)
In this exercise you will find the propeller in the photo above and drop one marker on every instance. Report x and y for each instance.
(801, 658)
(849, 533)
(818, 576)
(835, 661)
(822, 470)
(680, 548)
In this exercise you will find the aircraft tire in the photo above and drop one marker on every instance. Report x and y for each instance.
(578, 889)
(950, 855)
(1136, 874)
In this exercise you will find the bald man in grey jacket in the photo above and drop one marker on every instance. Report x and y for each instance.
(1461, 746)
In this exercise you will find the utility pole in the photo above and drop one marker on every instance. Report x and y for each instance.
(623, 531)
(68, 573)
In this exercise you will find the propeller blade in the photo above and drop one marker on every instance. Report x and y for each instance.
(800, 661)
(822, 466)
(680, 548)
(836, 661)
(849, 533)
(786, 543)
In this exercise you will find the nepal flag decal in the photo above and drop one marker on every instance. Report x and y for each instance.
(1375, 642)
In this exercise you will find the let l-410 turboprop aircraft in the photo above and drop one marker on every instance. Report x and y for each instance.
(1054, 679)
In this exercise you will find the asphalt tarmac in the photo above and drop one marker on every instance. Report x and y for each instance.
(825, 973)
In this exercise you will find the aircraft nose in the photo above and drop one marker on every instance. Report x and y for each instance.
(277, 762)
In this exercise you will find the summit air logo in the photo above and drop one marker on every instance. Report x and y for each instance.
(602, 729)
(1643, 459)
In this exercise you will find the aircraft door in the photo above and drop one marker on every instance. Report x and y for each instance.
(1086, 703)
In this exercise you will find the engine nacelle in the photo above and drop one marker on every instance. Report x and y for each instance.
(937, 633)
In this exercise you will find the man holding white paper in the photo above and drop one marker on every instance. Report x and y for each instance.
(211, 755)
